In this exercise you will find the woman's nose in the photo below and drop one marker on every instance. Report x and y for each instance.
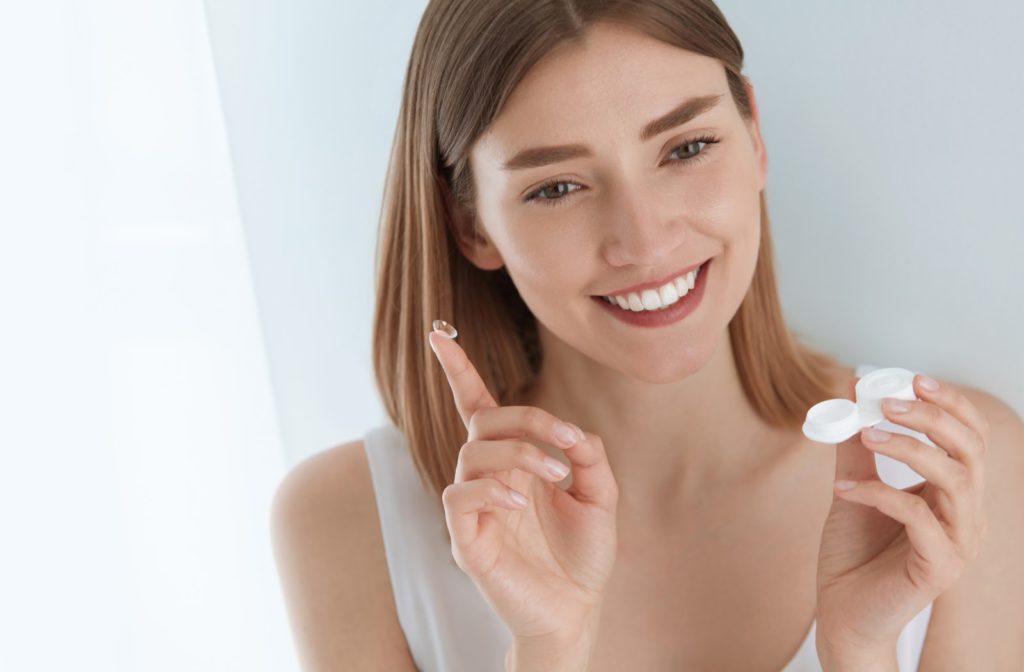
(640, 232)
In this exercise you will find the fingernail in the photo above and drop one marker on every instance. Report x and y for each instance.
(556, 468)
(518, 499)
(579, 432)
(873, 434)
(565, 434)
(445, 329)
(845, 485)
(929, 384)
(897, 405)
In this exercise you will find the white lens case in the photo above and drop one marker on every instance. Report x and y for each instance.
(836, 420)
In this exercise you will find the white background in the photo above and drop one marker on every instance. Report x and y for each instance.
(139, 438)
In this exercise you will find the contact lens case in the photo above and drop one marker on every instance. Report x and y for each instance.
(836, 420)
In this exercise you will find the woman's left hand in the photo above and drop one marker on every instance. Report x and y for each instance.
(886, 553)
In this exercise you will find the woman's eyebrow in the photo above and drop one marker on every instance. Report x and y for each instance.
(689, 109)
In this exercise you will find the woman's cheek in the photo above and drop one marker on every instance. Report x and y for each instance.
(719, 200)
(545, 262)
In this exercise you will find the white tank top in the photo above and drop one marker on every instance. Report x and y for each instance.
(448, 624)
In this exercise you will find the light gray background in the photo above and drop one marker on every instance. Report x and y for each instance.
(895, 178)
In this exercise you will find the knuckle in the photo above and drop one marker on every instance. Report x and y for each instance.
(480, 401)
(466, 457)
(919, 508)
(918, 450)
(982, 442)
(496, 489)
(932, 412)
(523, 451)
(961, 476)
(984, 436)
(535, 419)
(474, 424)
(986, 428)
(469, 448)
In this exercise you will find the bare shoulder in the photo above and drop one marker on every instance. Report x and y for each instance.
(332, 566)
(976, 623)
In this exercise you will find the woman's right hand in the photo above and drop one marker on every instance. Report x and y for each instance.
(543, 567)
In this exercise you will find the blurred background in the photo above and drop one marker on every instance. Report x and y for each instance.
(189, 195)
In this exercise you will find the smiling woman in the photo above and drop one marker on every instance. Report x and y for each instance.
(635, 120)
(674, 409)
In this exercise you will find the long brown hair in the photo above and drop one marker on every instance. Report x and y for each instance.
(467, 57)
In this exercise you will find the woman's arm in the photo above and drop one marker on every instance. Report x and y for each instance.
(978, 623)
(332, 566)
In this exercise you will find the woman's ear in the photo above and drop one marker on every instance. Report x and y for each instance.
(469, 236)
(760, 151)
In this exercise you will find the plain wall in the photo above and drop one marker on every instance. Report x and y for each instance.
(138, 440)
(894, 178)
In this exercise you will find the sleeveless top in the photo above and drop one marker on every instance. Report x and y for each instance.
(448, 624)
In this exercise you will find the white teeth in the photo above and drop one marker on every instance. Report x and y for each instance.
(656, 299)
(651, 299)
(668, 294)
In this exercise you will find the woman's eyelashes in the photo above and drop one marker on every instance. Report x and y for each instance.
(537, 195)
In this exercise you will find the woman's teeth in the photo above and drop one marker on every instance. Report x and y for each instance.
(656, 299)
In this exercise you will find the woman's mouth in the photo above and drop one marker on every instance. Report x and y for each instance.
(659, 306)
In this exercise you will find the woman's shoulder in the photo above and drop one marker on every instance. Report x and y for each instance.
(331, 559)
(328, 488)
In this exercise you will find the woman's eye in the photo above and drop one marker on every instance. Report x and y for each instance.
(692, 143)
(552, 185)
(539, 194)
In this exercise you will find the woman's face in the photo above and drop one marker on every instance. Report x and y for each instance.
(633, 210)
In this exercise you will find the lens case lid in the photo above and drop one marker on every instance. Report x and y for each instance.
(836, 420)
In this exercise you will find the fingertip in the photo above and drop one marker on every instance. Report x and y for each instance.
(579, 432)
(444, 329)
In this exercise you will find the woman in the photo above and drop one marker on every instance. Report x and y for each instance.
(552, 161)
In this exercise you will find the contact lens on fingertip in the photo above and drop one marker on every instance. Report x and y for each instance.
(445, 329)
(836, 420)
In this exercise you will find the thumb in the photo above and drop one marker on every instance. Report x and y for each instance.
(854, 462)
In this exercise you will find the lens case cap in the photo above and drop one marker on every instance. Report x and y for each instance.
(836, 420)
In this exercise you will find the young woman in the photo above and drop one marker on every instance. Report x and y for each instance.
(563, 171)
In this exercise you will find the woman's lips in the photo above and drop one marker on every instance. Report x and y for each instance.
(656, 284)
(663, 317)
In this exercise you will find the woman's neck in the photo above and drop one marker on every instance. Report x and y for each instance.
(668, 444)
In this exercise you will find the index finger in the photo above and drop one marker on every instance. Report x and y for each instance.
(468, 388)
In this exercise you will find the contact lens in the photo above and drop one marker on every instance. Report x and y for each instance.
(445, 329)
